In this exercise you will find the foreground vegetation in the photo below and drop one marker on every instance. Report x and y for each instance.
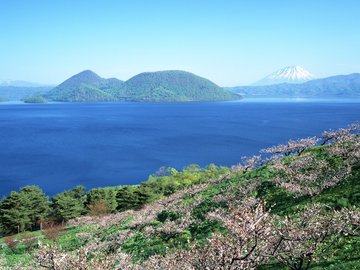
(297, 209)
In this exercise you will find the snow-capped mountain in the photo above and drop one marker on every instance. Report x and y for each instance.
(291, 74)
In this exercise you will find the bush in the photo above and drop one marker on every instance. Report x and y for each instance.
(99, 208)
(168, 215)
(10, 242)
(203, 230)
(28, 240)
(52, 231)
(206, 206)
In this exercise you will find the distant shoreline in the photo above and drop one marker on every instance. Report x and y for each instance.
(243, 100)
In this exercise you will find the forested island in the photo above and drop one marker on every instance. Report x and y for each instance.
(294, 207)
(35, 99)
(165, 86)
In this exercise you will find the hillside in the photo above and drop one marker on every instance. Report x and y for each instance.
(172, 85)
(299, 208)
(156, 86)
(82, 87)
(342, 86)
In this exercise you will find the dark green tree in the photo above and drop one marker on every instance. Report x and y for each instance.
(125, 198)
(142, 196)
(14, 216)
(69, 204)
(37, 205)
(106, 195)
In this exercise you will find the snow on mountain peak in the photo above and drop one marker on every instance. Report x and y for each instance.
(290, 74)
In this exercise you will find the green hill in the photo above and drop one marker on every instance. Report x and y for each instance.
(35, 99)
(152, 86)
(82, 87)
(299, 210)
(172, 85)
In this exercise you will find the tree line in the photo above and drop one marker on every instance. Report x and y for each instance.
(30, 208)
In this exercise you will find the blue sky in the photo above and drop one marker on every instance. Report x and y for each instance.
(231, 42)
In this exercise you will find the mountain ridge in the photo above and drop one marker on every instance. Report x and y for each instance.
(339, 86)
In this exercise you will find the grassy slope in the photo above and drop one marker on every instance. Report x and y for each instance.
(133, 227)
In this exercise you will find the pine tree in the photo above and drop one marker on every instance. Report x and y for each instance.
(37, 205)
(106, 195)
(14, 216)
(142, 196)
(69, 204)
(125, 199)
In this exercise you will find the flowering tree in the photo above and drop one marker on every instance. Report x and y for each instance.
(300, 240)
(291, 147)
(308, 175)
(247, 163)
(340, 135)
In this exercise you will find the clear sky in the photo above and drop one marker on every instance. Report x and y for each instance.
(231, 42)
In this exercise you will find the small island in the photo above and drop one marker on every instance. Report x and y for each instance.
(35, 99)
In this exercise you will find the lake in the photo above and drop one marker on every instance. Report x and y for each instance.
(61, 145)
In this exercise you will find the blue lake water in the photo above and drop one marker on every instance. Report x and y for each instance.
(59, 146)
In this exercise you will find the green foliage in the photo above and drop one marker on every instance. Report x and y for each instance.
(130, 198)
(168, 215)
(281, 201)
(38, 204)
(23, 210)
(205, 207)
(108, 232)
(107, 195)
(345, 194)
(164, 183)
(27, 208)
(203, 230)
(70, 241)
(141, 247)
(69, 204)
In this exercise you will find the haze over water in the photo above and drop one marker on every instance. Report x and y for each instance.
(59, 146)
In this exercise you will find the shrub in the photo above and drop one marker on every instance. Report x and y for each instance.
(10, 242)
(28, 240)
(168, 215)
(52, 231)
(99, 208)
